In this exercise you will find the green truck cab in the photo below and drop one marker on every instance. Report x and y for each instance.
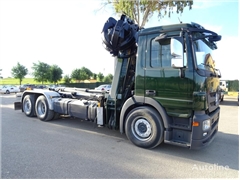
(174, 88)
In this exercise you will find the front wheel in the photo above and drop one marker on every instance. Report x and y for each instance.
(144, 127)
(42, 109)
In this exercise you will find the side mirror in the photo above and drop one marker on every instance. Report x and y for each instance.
(177, 53)
(177, 63)
(176, 48)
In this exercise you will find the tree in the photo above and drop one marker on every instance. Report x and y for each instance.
(41, 72)
(67, 79)
(55, 74)
(142, 10)
(19, 72)
(100, 76)
(87, 71)
(108, 78)
(94, 76)
(83, 75)
(76, 74)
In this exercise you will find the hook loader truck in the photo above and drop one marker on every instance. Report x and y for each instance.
(165, 87)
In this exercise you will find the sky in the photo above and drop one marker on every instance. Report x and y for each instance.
(67, 33)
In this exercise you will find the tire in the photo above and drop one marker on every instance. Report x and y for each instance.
(144, 127)
(56, 116)
(42, 109)
(7, 92)
(28, 105)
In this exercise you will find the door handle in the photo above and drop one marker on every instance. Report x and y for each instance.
(151, 92)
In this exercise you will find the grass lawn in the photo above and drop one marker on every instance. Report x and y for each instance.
(12, 81)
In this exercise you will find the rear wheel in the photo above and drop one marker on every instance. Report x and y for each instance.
(144, 127)
(56, 116)
(42, 109)
(28, 105)
(7, 92)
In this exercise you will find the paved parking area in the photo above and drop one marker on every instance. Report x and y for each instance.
(71, 148)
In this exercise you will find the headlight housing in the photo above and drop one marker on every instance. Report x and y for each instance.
(206, 125)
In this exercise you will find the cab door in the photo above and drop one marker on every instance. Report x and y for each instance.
(171, 87)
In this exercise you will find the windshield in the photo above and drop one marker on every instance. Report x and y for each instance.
(204, 55)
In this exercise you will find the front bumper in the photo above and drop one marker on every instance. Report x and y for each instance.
(200, 138)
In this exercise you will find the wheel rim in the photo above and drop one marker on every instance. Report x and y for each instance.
(141, 129)
(41, 109)
(27, 106)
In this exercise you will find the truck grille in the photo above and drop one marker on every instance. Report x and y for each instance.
(213, 101)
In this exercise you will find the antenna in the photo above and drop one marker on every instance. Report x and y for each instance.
(179, 20)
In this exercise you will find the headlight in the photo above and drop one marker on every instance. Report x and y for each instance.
(206, 125)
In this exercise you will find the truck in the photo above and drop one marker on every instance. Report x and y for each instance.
(223, 85)
(165, 87)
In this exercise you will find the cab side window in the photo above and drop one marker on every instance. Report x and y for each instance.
(160, 53)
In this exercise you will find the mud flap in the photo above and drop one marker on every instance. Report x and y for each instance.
(17, 105)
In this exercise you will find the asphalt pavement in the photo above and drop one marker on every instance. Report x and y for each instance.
(69, 148)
